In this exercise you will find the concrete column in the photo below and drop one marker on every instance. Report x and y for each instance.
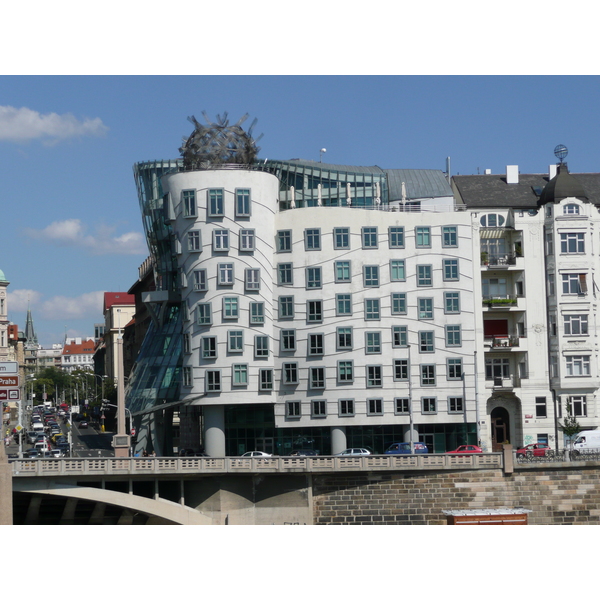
(6, 502)
(214, 430)
(338, 439)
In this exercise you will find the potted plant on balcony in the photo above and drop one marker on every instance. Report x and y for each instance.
(485, 259)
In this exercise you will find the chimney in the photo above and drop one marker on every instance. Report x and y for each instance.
(488, 171)
(552, 170)
(512, 174)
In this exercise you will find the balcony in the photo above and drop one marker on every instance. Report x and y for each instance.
(498, 261)
(503, 302)
(502, 342)
(504, 383)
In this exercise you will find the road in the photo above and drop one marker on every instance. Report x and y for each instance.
(90, 442)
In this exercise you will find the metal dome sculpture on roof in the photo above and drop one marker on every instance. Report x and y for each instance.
(218, 144)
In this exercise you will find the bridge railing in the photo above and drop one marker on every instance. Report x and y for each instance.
(276, 464)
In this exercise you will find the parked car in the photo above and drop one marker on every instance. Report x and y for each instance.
(354, 452)
(404, 448)
(256, 454)
(467, 449)
(304, 453)
(532, 450)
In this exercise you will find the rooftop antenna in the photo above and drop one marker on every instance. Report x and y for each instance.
(323, 150)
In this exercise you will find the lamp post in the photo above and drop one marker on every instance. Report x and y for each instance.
(410, 405)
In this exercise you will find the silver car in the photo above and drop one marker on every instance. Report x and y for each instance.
(354, 452)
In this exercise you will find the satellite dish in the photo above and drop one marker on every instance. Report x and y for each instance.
(561, 152)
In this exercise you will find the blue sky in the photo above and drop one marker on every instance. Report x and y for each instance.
(72, 226)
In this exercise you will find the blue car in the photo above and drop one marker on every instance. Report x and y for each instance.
(404, 448)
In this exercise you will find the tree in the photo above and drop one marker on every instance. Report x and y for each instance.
(570, 427)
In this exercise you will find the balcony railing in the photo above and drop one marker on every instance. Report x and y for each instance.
(511, 341)
(498, 260)
(500, 301)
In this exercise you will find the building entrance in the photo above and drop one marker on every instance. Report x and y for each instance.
(500, 428)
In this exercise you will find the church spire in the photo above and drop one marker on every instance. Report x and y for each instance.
(31, 341)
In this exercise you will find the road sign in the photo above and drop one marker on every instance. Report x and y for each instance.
(9, 381)
(9, 395)
(10, 366)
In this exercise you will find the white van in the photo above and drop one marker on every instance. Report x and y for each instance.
(37, 426)
(587, 441)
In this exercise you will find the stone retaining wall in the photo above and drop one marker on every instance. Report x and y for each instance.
(560, 495)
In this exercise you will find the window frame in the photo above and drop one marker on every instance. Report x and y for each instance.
(396, 237)
(247, 203)
(369, 237)
(215, 202)
(344, 232)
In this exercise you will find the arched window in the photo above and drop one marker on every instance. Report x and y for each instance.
(492, 220)
(571, 209)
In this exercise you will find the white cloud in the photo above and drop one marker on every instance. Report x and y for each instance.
(62, 307)
(71, 232)
(21, 300)
(24, 124)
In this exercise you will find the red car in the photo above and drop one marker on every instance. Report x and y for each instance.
(468, 449)
(534, 450)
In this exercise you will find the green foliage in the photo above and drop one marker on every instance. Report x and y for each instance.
(570, 427)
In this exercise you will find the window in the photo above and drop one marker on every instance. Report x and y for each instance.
(423, 237)
(374, 377)
(252, 280)
(400, 369)
(451, 302)
(497, 368)
(425, 308)
(372, 342)
(397, 270)
(265, 378)
(343, 304)
(396, 237)
(313, 278)
(212, 381)
(193, 238)
(317, 378)
(399, 336)
(286, 307)
(345, 371)
(455, 370)
(200, 280)
(257, 313)
(235, 341)
(316, 343)
(189, 203)
(494, 288)
(292, 409)
(344, 338)
(369, 237)
(221, 240)
(571, 209)
(341, 238)
(312, 239)
(426, 343)
(427, 375)
(398, 303)
(449, 237)
(204, 313)
(314, 311)
(576, 324)
(239, 375)
(242, 203)
(284, 241)
(187, 376)
(290, 373)
(261, 346)
(288, 340)
(579, 405)
(318, 408)
(374, 407)
(215, 203)
(372, 309)
(540, 407)
(574, 283)
(578, 366)
(285, 274)
(209, 347)
(225, 273)
(346, 407)
(455, 404)
(401, 406)
(371, 276)
(453, 335)
(572, 243)
(424, 277)
(342, 271)
(450, 268)
(231, 308)
(187, 343)
(492, 220)
(429, 406)
(247, 240)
